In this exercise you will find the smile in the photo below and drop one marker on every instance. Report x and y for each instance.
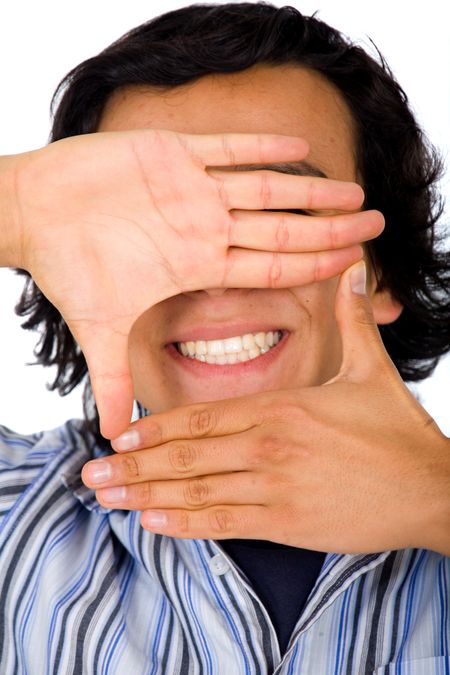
(230, 351)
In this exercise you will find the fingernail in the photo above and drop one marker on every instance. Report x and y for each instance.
(155, 519)
(98, 471)
(358, 279)
(114, 494)
(129, 440)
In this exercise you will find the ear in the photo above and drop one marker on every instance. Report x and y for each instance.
(385, 308)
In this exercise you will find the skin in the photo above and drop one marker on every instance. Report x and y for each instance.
(151, 201)
(325, 449)
(284, 100)
(354, 464)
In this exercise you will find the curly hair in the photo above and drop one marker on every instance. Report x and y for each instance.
(398, 166)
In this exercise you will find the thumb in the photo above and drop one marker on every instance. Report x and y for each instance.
(106, 354)
(362, 348)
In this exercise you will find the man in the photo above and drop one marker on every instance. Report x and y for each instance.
(123, 597)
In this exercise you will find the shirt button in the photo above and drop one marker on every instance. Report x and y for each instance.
(218, 565)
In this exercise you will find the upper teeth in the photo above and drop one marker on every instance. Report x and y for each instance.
(230, 350)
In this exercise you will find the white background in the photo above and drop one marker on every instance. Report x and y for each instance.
(41, 41)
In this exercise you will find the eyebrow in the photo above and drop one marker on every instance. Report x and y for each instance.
(300, 168)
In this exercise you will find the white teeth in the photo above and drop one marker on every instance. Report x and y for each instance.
(260, 339)
(230, 350)
(233, 345)
(248, 341)
(215, 347)
(200, 347)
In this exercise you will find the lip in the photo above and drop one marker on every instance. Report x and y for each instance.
(202, 369)
(222, 332)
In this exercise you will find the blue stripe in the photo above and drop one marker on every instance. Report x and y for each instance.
(407, 617)
(119, 631)
(227, 615)
(443, 598)
(342, 633)
(293, 659)
(199, 630)
(72, 589)
(157, 638)
(64, 535)
(137, 578)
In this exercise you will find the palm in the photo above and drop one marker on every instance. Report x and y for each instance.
(113, 223)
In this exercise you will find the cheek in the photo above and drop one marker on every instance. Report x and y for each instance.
(145, 346)
(317, 300)
(324, 341)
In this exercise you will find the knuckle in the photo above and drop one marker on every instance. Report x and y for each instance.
(152, 430)
(182, 458)
(282, 233)
(196, 492)
(270, 484)
(318, 271)
(273, 448)
(143, 493)
(130, 466)
(183, 522)
(221, 521)
(265, 192)
(256, 457)
(310, 194)
(202, 422)
(333, 230)
(266, 449)
(275, 271)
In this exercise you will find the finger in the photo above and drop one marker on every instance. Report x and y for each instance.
(106, 354)
(243, 487)
(362, 347)
(294, 233)
(174, 460)
(251, 269)
(217, 522)
(263, 189)
(204, 420)
(234, 149)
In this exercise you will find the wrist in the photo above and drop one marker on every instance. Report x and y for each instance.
(10, 240)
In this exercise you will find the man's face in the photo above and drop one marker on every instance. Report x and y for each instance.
(282, 100)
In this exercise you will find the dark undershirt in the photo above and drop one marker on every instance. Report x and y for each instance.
(282, 577)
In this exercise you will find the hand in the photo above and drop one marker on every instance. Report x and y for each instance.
(355, 465)
(110, 224)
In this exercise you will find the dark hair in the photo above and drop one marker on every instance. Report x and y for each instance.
(398, 166)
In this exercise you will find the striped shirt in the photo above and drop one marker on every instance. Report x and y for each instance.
(86, 591)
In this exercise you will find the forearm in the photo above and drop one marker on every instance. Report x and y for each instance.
(10, 240)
